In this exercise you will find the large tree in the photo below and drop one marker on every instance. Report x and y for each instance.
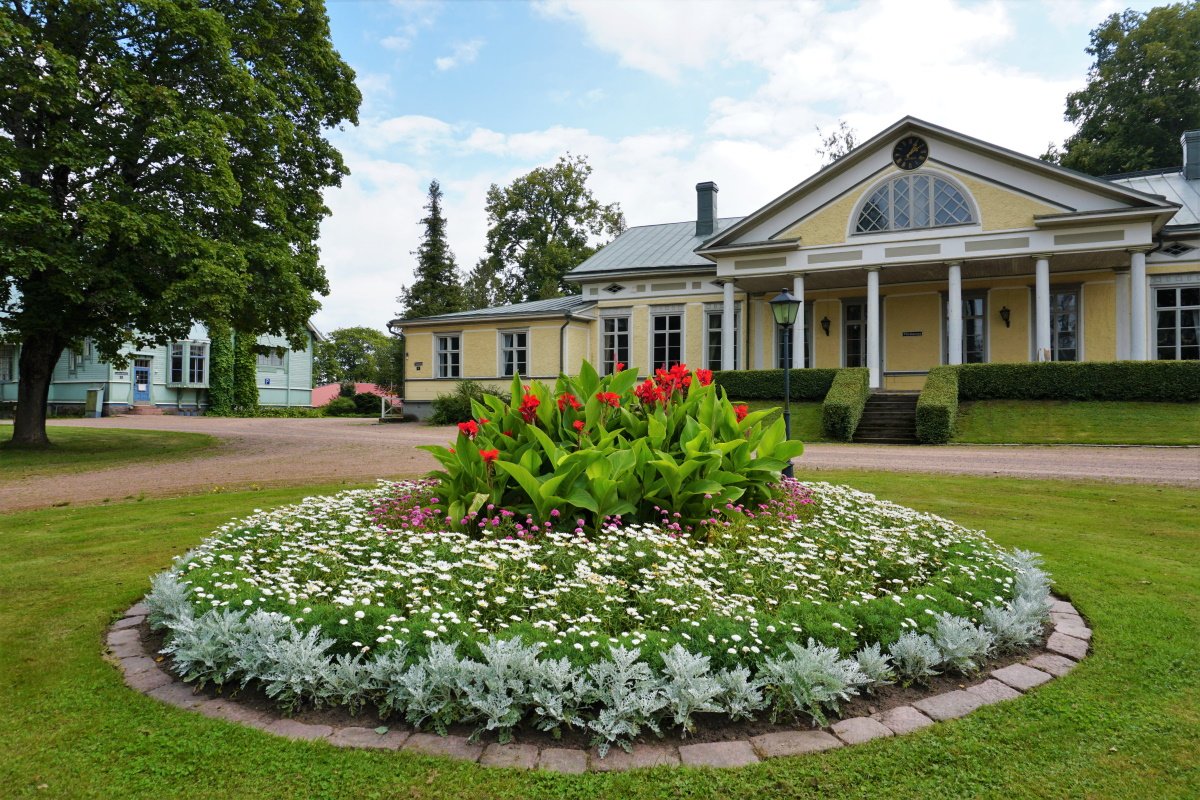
(1143, 92)
(160, 162)
(353, 355)
(542, 225)
(438, 288)
(837, 143)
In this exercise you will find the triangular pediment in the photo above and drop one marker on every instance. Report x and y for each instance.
(1007, 191)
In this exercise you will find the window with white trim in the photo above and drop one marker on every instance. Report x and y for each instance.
(854, 334)
(514, 353)
(8, 363)
(1177, 323)
(614, 343)
(188, 364)
(1064, 325)
(712, 339)
(666, 343)
(974, 327)
(448, 355)
(910, 202)
(272, 358)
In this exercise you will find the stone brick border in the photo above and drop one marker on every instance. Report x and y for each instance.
(1068, 644)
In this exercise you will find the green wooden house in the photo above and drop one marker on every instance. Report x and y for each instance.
(171, 378)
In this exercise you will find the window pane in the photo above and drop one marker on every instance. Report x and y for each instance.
(874, 214)
(901, 204)
(921, 205)
(1164, 298)
(1189, 297)
(949, 206)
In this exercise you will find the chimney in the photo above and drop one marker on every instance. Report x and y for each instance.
(706, 203)
(1191, 155)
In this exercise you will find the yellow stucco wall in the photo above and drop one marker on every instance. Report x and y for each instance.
(1099, 321)
(999, 209)
(827, 350)
(693, 335)
(911, 312)
(1172, 269)
(1012, 343)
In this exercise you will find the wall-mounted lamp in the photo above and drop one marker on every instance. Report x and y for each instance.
(825, 325)
(1006, 315)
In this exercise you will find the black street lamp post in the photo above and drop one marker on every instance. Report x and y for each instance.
(786, 308)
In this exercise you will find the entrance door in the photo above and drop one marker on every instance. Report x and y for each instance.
(855, 338)
(141, 380)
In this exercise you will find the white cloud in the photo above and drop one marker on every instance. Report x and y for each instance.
(415, 16)
(463, 53)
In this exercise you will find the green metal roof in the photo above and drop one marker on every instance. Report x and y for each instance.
(651, 247)
(555, 306)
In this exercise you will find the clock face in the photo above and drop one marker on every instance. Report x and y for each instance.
(910, 152)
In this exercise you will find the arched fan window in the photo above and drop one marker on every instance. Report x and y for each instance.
(914, 201)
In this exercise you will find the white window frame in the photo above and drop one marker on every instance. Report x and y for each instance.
(1178, 289)
(716, 314)
(972, 294)
(1076, 290)
(972, 206)
(607, 365)
(187, 352)
(442, 367)
(682, 333)
(808, 338)
(855, 301)
(8, 363)
(503, 350)
(274, 358)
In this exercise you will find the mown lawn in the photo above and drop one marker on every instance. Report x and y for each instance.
(806, 417)
(1125, 724)
(1095, 422)
(81, 449)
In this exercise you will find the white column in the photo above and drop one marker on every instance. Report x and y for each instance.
(1122, 315)
(1137, 306)
(727, 334)
(1041, 304)
(954, 337)
(798, 328)
(873, 326)
(761, 316)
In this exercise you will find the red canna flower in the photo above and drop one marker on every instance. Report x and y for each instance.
(567, 399)
(468, 429)
(489, 456)
(484, 420)
(578, 425)
(528, 408)
(620, 365)
(609, 398)
(704, 376)
(741, 412)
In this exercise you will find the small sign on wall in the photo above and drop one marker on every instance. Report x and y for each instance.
(122, 375)
(266, 381)
(913, 333)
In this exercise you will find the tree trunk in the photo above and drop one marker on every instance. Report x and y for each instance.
(39, 354)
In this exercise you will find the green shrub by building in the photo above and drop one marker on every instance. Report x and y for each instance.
(1160, 381)
(767, 384)
(937, 407)
(844, 403)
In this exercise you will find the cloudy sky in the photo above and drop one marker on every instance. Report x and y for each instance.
(659, 96)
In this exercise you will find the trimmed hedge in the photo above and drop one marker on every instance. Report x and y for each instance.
(937, 407)
(1155, 381)
(844, 403)
(767, 384)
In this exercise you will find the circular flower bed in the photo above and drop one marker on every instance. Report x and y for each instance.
(819, 595)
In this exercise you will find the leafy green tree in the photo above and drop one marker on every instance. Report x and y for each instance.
(391, 366)
(485, 285)
(1143, 92)
(438, 287)
(352, 355)
(161, 162)
(544, 224)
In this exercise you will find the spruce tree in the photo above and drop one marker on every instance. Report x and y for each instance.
(438, 286)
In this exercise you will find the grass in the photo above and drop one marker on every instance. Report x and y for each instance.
(806, 418)
(1123, 725)
(1060, 422)
(81, 449)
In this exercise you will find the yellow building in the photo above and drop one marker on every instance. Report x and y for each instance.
(920, 247)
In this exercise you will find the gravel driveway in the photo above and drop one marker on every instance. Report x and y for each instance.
(270, 452)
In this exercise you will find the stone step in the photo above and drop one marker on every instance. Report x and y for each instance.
(142, 410)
